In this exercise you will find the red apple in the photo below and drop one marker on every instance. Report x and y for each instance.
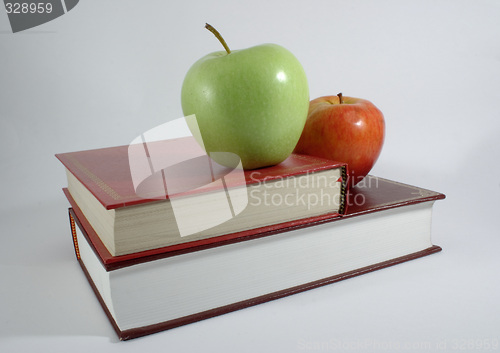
(344, 129)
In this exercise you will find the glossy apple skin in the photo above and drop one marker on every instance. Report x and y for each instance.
(352, 132)
(251, 102)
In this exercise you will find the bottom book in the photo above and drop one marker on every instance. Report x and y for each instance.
(387, 223)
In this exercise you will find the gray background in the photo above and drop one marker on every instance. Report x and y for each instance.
(109, 70)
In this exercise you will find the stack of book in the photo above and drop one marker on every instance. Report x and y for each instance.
(167, 246)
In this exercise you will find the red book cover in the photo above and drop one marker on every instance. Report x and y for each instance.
(124, 175)
(373, 194)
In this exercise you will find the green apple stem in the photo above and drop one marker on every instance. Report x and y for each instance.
(219, 37)
(340, 98)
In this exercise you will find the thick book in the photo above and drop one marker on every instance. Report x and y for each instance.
(146, 196)
(387, 223)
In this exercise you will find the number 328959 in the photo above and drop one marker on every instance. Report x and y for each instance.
(24, 8)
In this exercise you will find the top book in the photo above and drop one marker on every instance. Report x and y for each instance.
(145, 196)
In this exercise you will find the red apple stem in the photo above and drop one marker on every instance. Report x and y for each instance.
(218, 36)
(340, 98)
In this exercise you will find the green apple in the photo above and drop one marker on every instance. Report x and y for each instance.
(251, 102)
